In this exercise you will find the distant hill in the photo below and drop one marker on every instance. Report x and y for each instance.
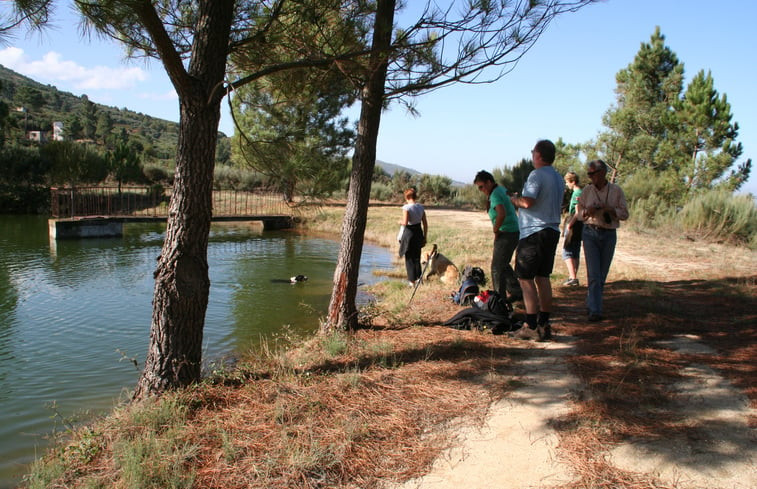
(44, 104)
(391, 169)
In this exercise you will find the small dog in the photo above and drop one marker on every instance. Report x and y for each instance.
(439, 264)
(298, 278)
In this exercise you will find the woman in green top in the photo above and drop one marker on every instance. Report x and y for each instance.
(506, 236)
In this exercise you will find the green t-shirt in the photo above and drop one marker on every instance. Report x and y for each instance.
(499, 196)
(574, 200)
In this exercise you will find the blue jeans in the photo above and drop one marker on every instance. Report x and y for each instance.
(599, 248)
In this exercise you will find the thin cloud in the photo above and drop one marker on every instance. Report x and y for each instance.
(159, 97)
(54, 69)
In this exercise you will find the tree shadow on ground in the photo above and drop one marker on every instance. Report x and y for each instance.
(635, 379)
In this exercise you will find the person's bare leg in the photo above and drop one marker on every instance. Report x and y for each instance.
(530, 296)
(572, 265)
(544, 291)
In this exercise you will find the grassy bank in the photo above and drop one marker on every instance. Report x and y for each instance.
(379, 405)
(463, 236)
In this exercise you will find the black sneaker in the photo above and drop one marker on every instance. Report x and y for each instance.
(544, 331)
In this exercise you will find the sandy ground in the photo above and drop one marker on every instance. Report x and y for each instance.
(516, 448)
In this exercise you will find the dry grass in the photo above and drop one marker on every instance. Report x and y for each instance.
(305, 418)
(352, 421)
(584, 437)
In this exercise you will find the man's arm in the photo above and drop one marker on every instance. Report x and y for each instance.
(522, 202)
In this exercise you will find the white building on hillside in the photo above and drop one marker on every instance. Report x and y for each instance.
(57, 131)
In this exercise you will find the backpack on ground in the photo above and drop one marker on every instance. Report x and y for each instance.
(467, 293)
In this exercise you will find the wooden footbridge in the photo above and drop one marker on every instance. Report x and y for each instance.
(83, 212)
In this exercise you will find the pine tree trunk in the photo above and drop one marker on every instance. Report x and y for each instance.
(342, 314)
(182, 284)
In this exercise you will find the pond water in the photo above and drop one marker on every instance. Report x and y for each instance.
(73, 315)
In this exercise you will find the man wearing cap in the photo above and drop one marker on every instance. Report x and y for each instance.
(539, 222)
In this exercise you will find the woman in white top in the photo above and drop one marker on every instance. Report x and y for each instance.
(413, 238)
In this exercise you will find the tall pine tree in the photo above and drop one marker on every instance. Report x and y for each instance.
(664, 142)
(707, 139)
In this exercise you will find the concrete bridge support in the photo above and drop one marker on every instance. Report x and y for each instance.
(85, 228)
(276, 223)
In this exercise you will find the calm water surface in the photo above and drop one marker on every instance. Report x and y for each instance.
(73, 314)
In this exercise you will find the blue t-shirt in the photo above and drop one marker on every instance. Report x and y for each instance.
(545, 186)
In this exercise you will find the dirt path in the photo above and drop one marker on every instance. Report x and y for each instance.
(517, 446)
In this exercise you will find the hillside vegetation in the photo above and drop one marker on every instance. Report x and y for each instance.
(33, 106)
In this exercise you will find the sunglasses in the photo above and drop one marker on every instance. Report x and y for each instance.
(590, 173)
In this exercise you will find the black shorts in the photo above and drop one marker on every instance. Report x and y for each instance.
(536, 254)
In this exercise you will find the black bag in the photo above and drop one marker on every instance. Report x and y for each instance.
(476, 318)
(495, 303)
(573, 236)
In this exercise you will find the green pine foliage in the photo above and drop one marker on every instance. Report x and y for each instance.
(22, 181)
(73, 164)
(290, 129)
(665, 141)
(513, 178)
(707, 138)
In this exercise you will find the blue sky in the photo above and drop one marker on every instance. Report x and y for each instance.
(561, 88)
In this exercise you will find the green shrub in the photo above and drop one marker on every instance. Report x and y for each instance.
(227, 177)
(250, 180)
(157, 174)
(652, 212)
(714, 215)
(383, 192)
(468, 197)
(721, 216)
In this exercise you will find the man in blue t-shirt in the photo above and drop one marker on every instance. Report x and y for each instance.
(539, 222)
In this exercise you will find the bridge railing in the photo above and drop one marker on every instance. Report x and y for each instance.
(153, 202)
